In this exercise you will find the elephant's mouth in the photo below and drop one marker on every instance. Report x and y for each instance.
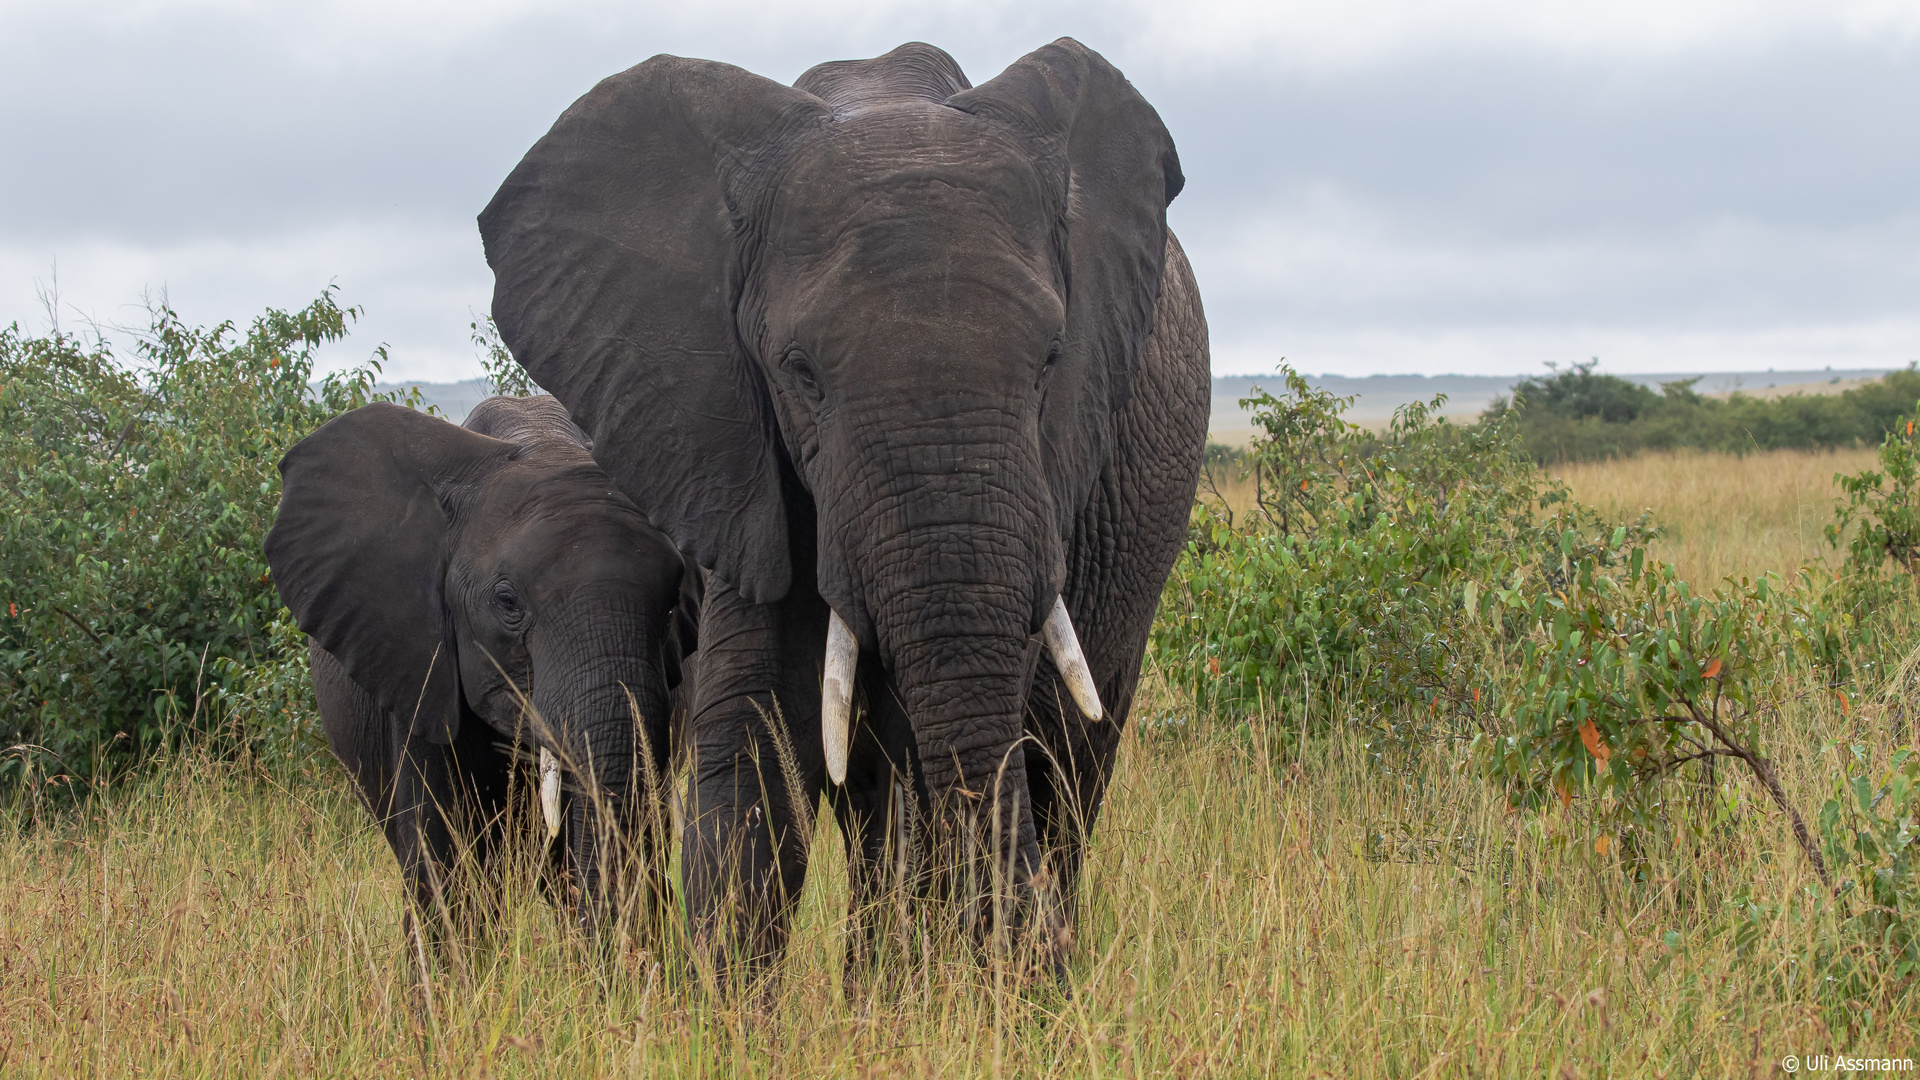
(843, 656)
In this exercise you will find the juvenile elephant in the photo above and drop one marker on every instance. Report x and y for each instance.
(447, 576)
(918, 371)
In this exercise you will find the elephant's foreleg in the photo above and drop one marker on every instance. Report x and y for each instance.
(1069, 764)
(1128, 536)
(420, 825)
(757, 774)
(409, 785)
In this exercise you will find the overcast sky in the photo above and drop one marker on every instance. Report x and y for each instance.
(1398, 186)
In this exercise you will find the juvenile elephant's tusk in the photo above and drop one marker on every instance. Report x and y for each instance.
(836, 695)
(1064, 646)
(550, 791)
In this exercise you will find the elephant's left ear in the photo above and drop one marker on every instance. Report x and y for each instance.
(359, 552)
(1113, 170)
(1120, 172)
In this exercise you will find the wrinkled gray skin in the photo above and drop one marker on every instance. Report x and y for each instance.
(442, 573)
(923, 353)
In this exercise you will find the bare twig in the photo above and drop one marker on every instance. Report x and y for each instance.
(84, 628)
(1769, 779)
(122, 440)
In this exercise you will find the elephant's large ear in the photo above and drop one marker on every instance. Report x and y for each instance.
(359, 551)
(612, 247)
(1117, 170)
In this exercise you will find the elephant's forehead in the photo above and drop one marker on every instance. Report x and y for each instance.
(916, 177)
(532, 514)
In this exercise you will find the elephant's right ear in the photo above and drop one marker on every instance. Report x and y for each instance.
(612, 248)
(359, 551)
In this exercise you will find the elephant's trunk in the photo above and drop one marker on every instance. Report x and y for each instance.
(964, 694)
(940, 555)
(590, 728)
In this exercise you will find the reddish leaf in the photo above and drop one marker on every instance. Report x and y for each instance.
(1213, 662)
(1591, 736)
(1566, 797)
(1713, 668)
(1845, 705)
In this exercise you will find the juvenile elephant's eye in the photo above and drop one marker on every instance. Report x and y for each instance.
(507, 601)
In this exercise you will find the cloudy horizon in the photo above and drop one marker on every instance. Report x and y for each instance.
(1381, 187)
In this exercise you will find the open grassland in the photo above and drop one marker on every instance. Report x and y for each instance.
(1245, 917)
(1724, 516)
(1315, 911)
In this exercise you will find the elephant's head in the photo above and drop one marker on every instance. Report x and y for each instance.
(881, 304)
(456, 573)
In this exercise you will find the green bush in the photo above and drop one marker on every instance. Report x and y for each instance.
(1880, 520)
(137, 498)
(1352, 577)
(1431, 583)
(1622, 675)
(503, 373)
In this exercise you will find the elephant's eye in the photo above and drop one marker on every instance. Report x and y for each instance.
(1046, 366)
(507, 602)
(802, 371)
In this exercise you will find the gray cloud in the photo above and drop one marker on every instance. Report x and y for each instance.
(1377, 203)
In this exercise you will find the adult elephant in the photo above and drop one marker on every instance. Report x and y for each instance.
(917, 370)
(448, 577)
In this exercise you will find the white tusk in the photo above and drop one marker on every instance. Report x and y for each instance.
(836, 695)
(550, 791)
(1064, 646)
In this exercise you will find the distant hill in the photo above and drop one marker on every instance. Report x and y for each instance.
(1469, 395)
(454, 399)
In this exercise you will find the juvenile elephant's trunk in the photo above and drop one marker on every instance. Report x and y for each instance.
(592, 732)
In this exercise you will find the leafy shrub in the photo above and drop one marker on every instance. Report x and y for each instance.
(1431, 579)
(503, 373)
(138, 497)
(1623, 676)
(1881, 518)
(1431, 583)
(1352, 576)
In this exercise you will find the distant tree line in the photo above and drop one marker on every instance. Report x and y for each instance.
(1579, 415)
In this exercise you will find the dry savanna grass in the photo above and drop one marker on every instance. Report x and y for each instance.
(1725, 516)
(211, 919)
(1247, 913)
